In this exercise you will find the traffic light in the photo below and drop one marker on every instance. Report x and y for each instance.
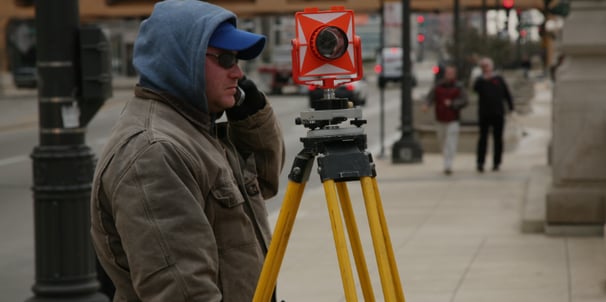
(95, 71)
(420, 37)
(508, 4)
(421, 22)
(420, 28)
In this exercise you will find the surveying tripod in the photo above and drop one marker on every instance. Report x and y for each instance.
(342, 157)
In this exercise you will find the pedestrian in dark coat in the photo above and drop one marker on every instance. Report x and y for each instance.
(494, 97)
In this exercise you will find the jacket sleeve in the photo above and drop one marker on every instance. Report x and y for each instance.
(168, 240)
(430, 97)
(507, 94)
(462, 101)
(260, 134)
(476, 84)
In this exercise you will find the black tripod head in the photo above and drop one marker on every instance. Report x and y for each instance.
(329, 112)
(342, 149)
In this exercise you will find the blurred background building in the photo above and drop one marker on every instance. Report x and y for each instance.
(529, 24)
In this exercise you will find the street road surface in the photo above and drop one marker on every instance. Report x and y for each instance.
(16, 201)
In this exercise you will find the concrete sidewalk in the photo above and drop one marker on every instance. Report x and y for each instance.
(456, 238)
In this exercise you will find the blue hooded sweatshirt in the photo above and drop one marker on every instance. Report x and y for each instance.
(170, 49)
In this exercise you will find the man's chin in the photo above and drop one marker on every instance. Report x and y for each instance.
(231, 105)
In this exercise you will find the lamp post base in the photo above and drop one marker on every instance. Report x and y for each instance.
(407, 150)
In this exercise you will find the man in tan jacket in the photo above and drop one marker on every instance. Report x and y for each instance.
(178, 210)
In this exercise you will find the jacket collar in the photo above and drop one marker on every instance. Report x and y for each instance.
(449, 84)
(197, 117)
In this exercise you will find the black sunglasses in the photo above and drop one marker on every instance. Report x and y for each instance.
(226, 60)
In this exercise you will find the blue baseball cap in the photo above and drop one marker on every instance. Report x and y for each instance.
(228, 37)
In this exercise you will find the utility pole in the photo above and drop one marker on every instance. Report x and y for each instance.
(382, 89)
(68, 97)
(497, 19)
(457, 35)
(407, 149)
(484, 21)
(506, 24)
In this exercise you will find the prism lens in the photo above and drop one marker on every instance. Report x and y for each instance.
(331, 42)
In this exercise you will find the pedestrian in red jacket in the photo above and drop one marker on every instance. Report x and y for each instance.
(447, 97)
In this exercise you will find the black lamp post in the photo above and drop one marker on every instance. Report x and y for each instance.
(62, 164)
(407, 149)
(483, 9)
(456, 26)
(382, 88)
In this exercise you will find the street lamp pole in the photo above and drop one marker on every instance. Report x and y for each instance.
(382, 89)
(484, 33)
(407, 149)
(62, 164)
(457, 35)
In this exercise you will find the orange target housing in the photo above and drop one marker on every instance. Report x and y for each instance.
(326, 50)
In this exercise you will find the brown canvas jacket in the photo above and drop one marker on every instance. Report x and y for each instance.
(177, 205)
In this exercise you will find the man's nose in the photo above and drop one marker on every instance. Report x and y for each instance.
(236, 71)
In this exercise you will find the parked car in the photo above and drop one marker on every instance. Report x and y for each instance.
(277, 75)
(356, 92)
(391, 70)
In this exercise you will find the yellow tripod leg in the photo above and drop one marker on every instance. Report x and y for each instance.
(277, 248)
(389, 246)
(378, 239)
(340, 241)
(356, 243)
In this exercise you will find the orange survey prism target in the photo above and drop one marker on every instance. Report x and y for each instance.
(326, 48)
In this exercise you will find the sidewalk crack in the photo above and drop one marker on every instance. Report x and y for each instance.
(568, 271)
(467, 269)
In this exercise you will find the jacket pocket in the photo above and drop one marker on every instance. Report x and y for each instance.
(227, 194)
(232, 225)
